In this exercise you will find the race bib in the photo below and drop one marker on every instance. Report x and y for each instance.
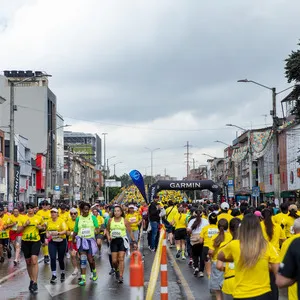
(212, 231)
(132, 220)
(14, 228)
(86, 232)
(115, 233)
(292, 230)
(57, 239)
(145, 213)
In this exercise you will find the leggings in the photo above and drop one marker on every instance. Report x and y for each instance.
(197, 256)
(60, 249)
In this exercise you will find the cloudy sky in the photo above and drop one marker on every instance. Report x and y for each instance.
(154, 73)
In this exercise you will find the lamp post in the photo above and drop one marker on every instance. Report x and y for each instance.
(104, 150)
(106, 188)
(151, 151)
(217, 141)
(120, 162)
(214, 157)
(13, 84)
(275, 133)
(48, 157)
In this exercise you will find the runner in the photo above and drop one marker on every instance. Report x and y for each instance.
(292, 216)
(30, 225)
(56, 233)
(86, 226)
(171, 211)
(72, 246)
(252, 256)
(116, 235)
(15, 237)
(194, 228)
(224, 213)
(4, 234)
(134, 219)
(99, 236)
(44, 213)
(217, 242)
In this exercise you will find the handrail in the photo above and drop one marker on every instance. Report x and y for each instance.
(155, 267)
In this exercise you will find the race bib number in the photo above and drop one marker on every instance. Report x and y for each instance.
(212, 231)
(231, 266)
(132, 220)
(115, 233)
(145, 213)
(57, 239)
(86, 232)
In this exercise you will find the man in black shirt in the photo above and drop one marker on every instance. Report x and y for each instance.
(289, 271)
(154, 219)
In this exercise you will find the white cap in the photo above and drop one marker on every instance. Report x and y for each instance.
(73, 210)
(224, 206)
(54, 209)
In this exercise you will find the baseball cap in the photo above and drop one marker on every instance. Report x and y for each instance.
(130, 206)
(258, 213)
(54, 209)
(293, 207)
(73, 210)
(224, 206)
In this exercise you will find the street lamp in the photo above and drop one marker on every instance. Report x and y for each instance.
(232, 125)
(275, 133)
(104, 151)
(120, 162)
(217, 141)
(209, 155)
(151, 151)
(107, 164)
(48, 156)
(12, 132)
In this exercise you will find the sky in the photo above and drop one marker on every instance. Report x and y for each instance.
(155, 74)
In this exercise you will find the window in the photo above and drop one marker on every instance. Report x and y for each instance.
(33, 179)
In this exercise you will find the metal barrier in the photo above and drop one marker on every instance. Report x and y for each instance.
(159, 263)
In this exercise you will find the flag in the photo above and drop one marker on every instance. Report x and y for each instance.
(138, 180)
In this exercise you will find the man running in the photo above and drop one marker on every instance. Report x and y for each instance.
(30, 225)
(4, 234)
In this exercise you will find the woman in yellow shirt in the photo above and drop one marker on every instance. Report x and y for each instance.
(134, 218)
(217, 242)
(252, 255)
(56, 233)
(180, 224)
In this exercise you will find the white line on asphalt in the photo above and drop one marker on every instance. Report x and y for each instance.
(188, 292)
(60, 288)
(5, 278)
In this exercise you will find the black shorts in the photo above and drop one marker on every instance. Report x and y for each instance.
(30, 248)
(267, 296)
(43, 237)
(4, 242)
(117, 245)
(99, 236)
(205, 253)
(180, 234)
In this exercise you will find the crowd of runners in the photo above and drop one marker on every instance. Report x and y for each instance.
(245, 252)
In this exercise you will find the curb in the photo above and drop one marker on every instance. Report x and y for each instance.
(5, 278)
(183, 282)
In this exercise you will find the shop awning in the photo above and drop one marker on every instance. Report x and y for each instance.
(269, 195)
(287, 194)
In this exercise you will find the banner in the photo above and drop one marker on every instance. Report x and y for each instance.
(138, 180)
(17, 184)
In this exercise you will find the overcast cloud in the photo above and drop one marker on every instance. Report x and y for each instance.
(154, 73)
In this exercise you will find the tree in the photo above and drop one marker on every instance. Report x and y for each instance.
(292, 73)
(125, 180)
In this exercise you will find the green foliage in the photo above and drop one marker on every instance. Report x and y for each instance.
(292, 66)
(125, 180)
(113, 192)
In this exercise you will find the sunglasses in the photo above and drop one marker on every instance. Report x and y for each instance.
(73, 213)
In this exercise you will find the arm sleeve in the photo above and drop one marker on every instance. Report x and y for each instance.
(76, 225)
(289, 268)
(95, 221)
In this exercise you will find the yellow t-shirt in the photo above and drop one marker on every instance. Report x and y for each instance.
(293, 289)
(58, 225)
(180, 221)
(227, 239)
(226, 216)
(278, 234)
(45, 215)
(241, 216)
(64, 216)
(70, 225)
(15, 220)
(280, 218)
(255, 281)
(229, 279)
(31, 232)
(4, 234)
(288, 226)
(133, 220)
(171, 212)
(207, 233)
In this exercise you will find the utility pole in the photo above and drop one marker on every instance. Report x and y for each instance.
(151, 151)
(104, 150)
(187, 159)
(11, 198)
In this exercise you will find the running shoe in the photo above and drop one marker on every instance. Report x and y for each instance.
(46, 260)
(196, 272)
(190, 262)
(178, 253)
(112, 272)
(8, 250)
(183, 256)
(201, 274)
(94, 276)
(30, 285)
(34, 288)
(15, 263)
(117, 274)
(75, 272)
(68, 255)
(53, 279)
(121, 280)
(62, 277)
(82, 282)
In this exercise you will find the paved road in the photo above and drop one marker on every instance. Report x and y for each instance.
(16, 288)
